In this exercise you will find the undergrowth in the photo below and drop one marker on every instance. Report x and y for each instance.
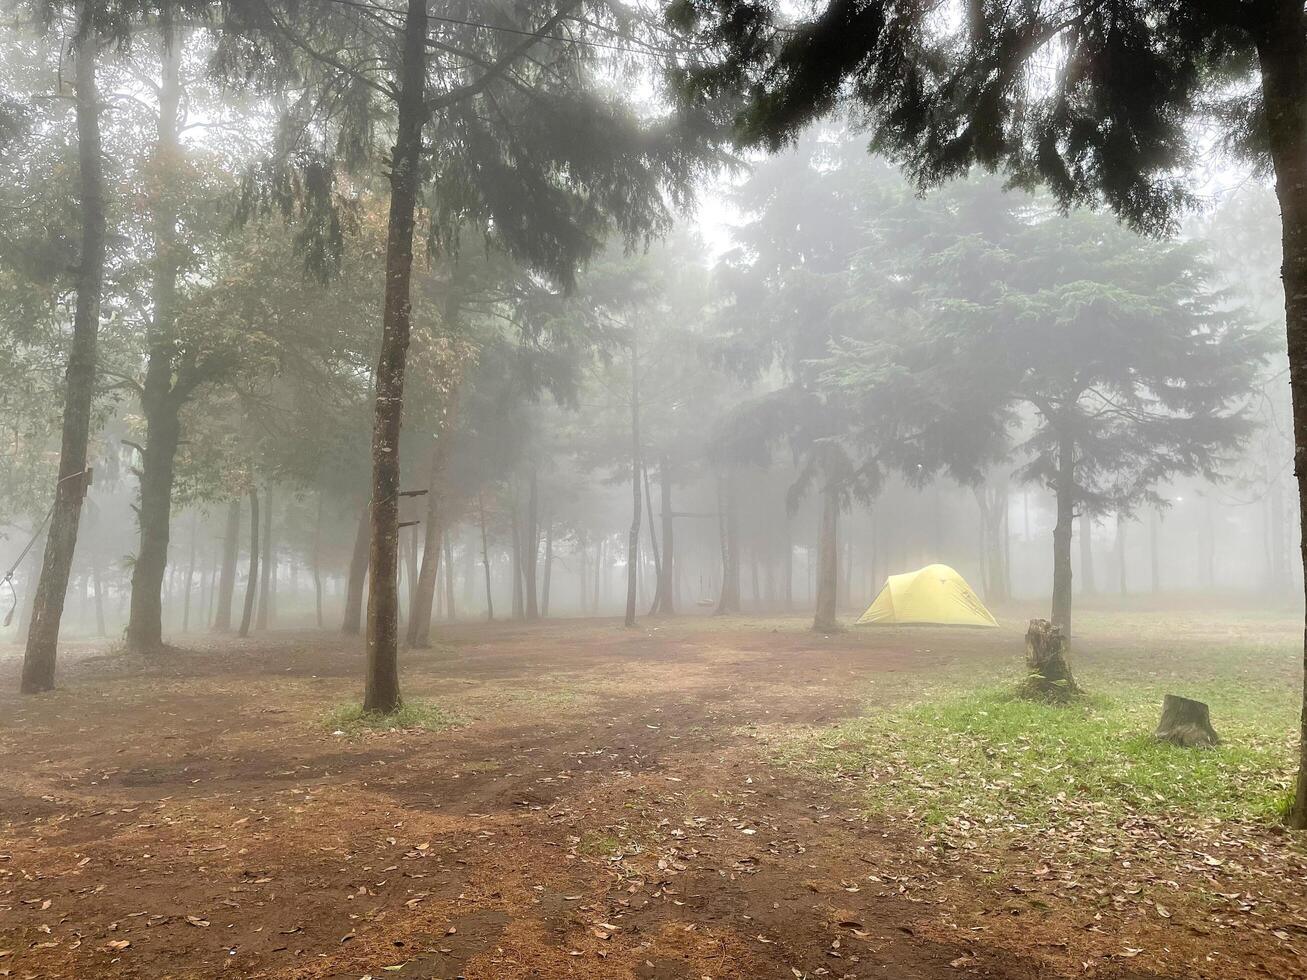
(351, 719)
(987, 756)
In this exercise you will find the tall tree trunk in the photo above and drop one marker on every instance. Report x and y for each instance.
(231, 546)
(449, 575)
(828, 559)
(653, 544)
(424, 591)
(1066, 500)
(485, 556)
(788, 564)
(97, 579)
(531, 549)
(1087, 586)
(263, 617)
(190, 574)
(728, 602)
(515, 560)
(381, 691)
(1282, 52)
(633, 539)
(666, 594)
(316, 558)
(79, 377)
(549, 568)
(252, 578)
(352, 622)
(1154, 561)
(160, 400)
(1120, 552)
(599, 571)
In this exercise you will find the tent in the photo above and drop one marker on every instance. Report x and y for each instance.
(934, 594)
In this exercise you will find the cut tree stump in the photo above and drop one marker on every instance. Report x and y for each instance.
(1186, 723)
(1049, 678)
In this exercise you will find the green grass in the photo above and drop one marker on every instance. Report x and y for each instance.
(412, 716)
(988, 757)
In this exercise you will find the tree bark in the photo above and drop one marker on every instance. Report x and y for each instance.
(531, 549)
(190, 574)
(653, 542)
(728, 602)
(449, 575)
(1048, 669)
(161, 400)
(316, 558)
(424, 592)
(665, 604)
(264, 615)
(70, 488)
(227, 581)
(515, 559)
(352, 623)
(98, 579)
(381, 691)
(633, 539)
(252, 579)
(1065, 491)
(485, 556)
(1087, 586)
(549, 569)
(1120, 552)
(1186, 723)
(828, 558)
(1282, 53)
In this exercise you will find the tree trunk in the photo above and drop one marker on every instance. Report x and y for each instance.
(449, 575)
(424, 591)
(485, 556)
(316, 558)
(1087, 586)
(531, 549)
(352, 623)
(230, 552)
(160, 401)
(788, 565)
(1120, 552)
(1154, 519)
(1282, 53)
(79, 377)
(653, 544)
(252, 579)
(381, 691)
(828, 561)
(633, 539)
(1065, 490)
(98, 579)
(515, 560)
(263, 617)
(1048, 675)
(665, 604)
(600, 546)
(728, 602)
(549, 568)
(190, 575)
(1186, 723)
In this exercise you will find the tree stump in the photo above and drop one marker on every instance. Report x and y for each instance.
(1186, 723)
(1049, 678)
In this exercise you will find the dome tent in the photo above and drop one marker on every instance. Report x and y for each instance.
(934, 594)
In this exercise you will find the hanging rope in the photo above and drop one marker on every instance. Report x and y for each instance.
(36, 533)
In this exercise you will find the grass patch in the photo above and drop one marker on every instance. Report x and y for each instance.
(989, 757)
(412, 716)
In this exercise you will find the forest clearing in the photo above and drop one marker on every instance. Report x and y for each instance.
(691, 799)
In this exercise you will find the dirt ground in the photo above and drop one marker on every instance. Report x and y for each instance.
(605, 805)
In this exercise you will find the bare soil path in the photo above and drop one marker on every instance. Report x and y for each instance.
(601, 807)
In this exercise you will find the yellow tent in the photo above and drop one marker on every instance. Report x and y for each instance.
(934, 594)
